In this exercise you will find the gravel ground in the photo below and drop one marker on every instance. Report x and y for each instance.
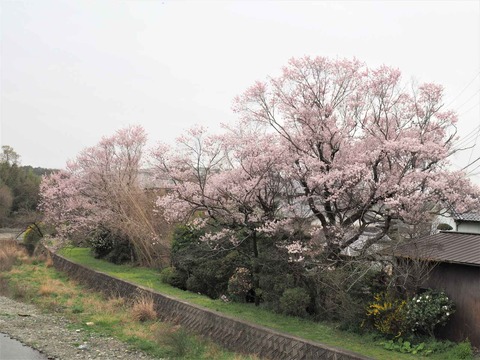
(52, 335)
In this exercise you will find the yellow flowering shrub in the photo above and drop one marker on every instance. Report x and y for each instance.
(387, 314)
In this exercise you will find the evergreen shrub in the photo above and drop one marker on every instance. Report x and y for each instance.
(294, 302)
(427, 311)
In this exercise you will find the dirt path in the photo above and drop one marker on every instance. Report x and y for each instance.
(9, 234)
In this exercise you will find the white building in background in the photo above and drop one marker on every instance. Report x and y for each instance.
(465, 223)
(149, 180)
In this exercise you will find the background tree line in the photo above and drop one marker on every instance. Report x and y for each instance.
(19, 189)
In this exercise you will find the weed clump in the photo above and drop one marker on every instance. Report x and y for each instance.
(143, 308)
(10, 253)
(178, 342)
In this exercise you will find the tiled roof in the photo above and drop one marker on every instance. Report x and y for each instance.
(467, 216)
(449, 246)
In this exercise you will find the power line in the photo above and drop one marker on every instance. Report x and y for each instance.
(463, 90)
(466, 111)
(471, 97)
(473, 147)
(467, 139)
(471, 171)
(470, 163)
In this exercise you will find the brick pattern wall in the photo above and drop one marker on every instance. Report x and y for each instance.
(236, 335)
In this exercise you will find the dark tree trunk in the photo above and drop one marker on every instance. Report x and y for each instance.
(256, 268)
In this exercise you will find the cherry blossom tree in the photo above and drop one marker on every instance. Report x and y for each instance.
(63, 205)
(232, 177)
(364, 149)
(100, 189)
(228, 184)
(353, 146)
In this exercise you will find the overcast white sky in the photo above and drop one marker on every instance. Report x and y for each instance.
(73, 71)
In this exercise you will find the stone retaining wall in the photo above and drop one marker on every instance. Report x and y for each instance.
(237, 335)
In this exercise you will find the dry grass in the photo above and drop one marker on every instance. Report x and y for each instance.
(112, 306)
(53, 286)
(146, 332)
(4, 288)
(143, 308)
(46, 289)
(10, 253)
(115, 303)
(15, 271)
(49, 260)
(21, 292)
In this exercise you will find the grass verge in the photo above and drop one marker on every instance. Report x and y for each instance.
(328, 334)
(35, 282)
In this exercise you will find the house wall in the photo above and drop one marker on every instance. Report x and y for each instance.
(472, 227)
(443, 219)
(462, 284)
